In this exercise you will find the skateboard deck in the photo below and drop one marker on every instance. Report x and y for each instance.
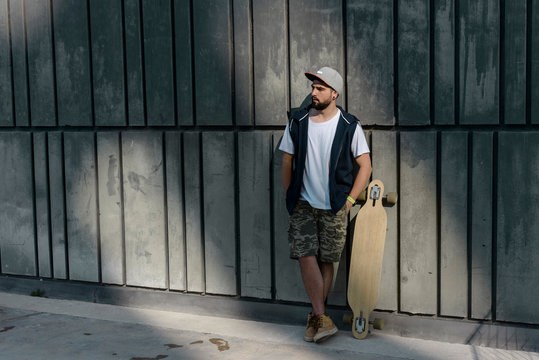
(366, 259)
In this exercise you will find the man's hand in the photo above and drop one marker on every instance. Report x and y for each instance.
(362, 177)
(348, 206)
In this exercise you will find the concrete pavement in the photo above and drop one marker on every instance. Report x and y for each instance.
(42, 328)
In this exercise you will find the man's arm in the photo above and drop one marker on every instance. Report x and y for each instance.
(362, 177)
(286, 170)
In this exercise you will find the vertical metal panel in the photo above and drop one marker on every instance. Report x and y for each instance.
(133, 63)
(6, 96)
(370, 61)
(479, 61)
(444, 62)
(270, 62)
(534, 61)
(193, 212)
(158, 66)
(72, 63)
(384, 159)
(40, 63)
(213, 56)
(481, 225)
(254, 159)
(175, 211)
(110, 208)
(418, 226)
(515, 62)
(20, 70)
(42, 205)
(57, 204)
(184, 58)
(288, 283)
(107, 62)
(517, 283)
(17, 237)
(81, 206)
(243, 62)
(413, 62)
(317, 22)
(454, 225)
(218, 161)
(144, 209)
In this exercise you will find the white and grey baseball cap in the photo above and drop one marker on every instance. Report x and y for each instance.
(328, 76)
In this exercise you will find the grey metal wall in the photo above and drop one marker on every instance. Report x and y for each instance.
(138, 143)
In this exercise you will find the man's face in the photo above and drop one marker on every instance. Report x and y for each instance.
(321, 95)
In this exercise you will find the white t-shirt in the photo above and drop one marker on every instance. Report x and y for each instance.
(315, 187)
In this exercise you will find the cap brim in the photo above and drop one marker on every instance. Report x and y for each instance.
(313, 77)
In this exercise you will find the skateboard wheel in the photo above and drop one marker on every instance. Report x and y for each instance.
(392, 198)
(362, 196)
(378, 324)
(347, 319)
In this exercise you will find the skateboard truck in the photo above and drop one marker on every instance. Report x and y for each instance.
(375, 192)
(389, 199)
(360, 324)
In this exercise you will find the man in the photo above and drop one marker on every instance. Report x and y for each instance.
(320, 146)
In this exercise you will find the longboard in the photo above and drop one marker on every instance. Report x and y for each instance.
(366, 258)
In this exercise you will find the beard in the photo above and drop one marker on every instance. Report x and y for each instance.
(321, 105)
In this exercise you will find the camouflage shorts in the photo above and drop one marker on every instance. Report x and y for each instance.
(315, 232)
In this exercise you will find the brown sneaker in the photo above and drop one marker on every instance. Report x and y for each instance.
(310, 331)
(325, 328)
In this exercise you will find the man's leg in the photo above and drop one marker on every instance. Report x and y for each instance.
(327, 274)
(314, 282)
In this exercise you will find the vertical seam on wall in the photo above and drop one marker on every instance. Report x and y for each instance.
(432, 65)
(495, 153)
(165, 209)
(90, 63)
(122, 205)
(469, 225)
(202, 223)
(237, 212)
(237, 239)
(232, 59)
(183, 219)
(456, 74)
(398, 162)
(66, 240)
(174, 71)
(287, 34)
(143, 63)
(98, 211)
(193, 72)
(501, 75)
(529, 25)
(13, 110)
(396, 62)
(439, 221)
(49, 217)
(53, 59)
(124, 63)
(34, 210)
(345, 52)
(28, 101)
(252, 98)
(272, 215)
